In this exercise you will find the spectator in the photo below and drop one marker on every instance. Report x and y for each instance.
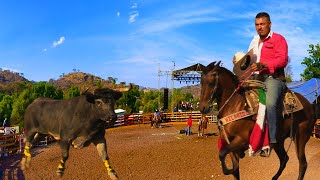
(175, 109)
(188, 129)
(6, 123)
(139, 120)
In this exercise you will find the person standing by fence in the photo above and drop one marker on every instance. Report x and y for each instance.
(189, 125)
(5, 123)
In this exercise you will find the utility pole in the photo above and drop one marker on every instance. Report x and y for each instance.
(172, 86)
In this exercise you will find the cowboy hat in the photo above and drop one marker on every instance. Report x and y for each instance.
(239, 55)
(242, 64)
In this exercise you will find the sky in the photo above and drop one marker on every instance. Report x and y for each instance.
(131, 40)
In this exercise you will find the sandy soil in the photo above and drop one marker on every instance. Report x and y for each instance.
(141, 153)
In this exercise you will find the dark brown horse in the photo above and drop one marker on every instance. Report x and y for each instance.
(220, 84)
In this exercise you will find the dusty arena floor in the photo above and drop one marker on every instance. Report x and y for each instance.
(160, 153)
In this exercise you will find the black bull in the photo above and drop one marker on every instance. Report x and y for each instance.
(78, 121)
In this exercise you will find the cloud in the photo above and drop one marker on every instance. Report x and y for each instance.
(57, 43)
(118, 14)
(132, 16)
(171, 20)
(134, 6)
(44, 50)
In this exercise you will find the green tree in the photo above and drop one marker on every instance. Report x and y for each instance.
(1, 95)
(150, 101)
(59, 94)
(22, 101)
(312, 63)
(178, 97)
(19, 106)
(6, 107)
(128, 100)
(98, 83)
(113, 80)
(73, 91)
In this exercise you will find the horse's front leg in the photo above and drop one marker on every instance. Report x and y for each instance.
(102, 150)
(64, 145)
(235, 145)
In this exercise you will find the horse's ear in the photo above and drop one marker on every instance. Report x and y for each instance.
(211, 64)
(209, 67)
(218, 64)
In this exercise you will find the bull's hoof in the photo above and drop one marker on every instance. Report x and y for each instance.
(25, 163)
(60, 172)
(79, 142)
(113, 175)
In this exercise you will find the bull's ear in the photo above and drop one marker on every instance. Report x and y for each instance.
(98, 102)
(90, 98)
(116, 95)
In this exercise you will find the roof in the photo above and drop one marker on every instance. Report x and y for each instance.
(119, 111)
(309, 89)
(196, 67)
(189, 74)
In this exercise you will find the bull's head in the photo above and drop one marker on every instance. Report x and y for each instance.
(104, 100)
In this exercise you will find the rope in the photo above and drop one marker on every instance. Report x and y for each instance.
(226, 102)
(255, 83)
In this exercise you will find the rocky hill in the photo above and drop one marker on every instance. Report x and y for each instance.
(194, 90)
(10, 81)
(7, 77)
(81, 80)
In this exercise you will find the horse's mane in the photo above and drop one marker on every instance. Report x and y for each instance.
(235, 78)
(213, 65)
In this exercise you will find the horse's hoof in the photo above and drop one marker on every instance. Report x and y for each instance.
(264, 154)
(113, 175)
(242, 154)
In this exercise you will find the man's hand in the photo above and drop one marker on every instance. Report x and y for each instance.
(257, 66)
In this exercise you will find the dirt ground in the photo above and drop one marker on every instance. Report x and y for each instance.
(143, 153)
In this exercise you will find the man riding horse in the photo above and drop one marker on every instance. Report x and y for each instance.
(268, 53)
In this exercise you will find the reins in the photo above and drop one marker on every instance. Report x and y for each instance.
(237, 89)
(226, 102)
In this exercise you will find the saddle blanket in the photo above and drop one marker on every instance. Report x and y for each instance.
(259, 138)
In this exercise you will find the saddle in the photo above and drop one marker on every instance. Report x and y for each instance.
(291, 103)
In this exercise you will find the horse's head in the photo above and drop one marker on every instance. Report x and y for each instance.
(215, 79)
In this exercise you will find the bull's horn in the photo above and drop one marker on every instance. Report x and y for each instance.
(85, 91)
(125, 89)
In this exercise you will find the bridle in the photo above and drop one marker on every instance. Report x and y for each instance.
(216, 86)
